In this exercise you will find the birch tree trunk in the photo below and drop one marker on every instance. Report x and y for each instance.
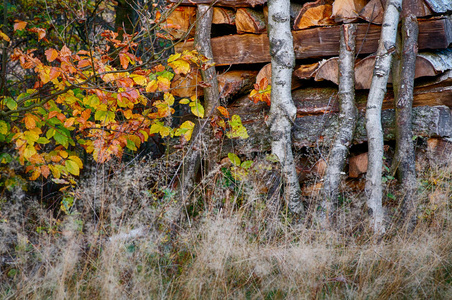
(192, 159)
(283, 111)
(386, 48)
(347, 119)
(403, 84)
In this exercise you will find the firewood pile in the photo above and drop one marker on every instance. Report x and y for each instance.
(241, 53)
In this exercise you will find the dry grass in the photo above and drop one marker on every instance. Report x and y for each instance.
(129, 237)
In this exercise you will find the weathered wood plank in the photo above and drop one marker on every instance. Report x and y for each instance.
(321, 129)
(226, 3)
(317, 42)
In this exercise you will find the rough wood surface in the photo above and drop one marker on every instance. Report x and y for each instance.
(178, 23)
(235, 82)
(427, 64)
(357, 165)
(316, 13)
(250, 21)
(320, 130)
(266, 72)
(226, 3)
(347, 10)
(404, 73)
(223, 15)
(374, 10)
(317, 42)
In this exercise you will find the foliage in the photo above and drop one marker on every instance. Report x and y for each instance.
(85, 100)
(261, 92)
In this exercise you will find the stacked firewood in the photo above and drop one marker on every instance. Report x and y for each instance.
(241, 44)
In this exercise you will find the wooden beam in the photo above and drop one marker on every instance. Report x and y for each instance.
(317, 42)
(226, 3)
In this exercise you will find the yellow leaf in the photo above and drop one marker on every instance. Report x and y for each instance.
(151, 87)
(29, 152)
(36, 173)
(77, 160)
(168, 98)
(139, 79)
(197, 109)
(186, 130)
(180, 66)
(4, 36)
(72, 167)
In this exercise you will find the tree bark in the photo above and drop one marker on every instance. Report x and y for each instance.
(403, 84)
(347, 120)
(283, 112)
(386, 48)
(211, 99)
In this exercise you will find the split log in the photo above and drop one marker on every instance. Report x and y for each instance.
(187, 86)
(427, 64)
(320, 130)
(222, 15)
(235, 82)
(225, 3)
(306, 71)
(178, 23)
(439, 6)
(266, 72)
(317, 42)
(347, 11)
(312, 101)
(358, 165)
(316, 13)
(374, 10)
(229, 84)
(250, 21)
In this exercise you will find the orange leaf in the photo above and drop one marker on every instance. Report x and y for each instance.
(65, 51)
(124, 60)
(51, 54)
(223, 111)
(45, 171)
(19, 25)
(30, 121)
(40, 31)
(84, 63)
(54, 73)
(69, 122)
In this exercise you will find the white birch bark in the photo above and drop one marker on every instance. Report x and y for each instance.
(386, 48)
(347, 119)
(283, 111)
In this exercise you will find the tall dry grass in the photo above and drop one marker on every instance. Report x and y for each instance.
(129, 237)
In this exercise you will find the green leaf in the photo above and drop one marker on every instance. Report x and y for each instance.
(197, 109)
(43, 140)
(247, 164)
(184, 101)
(237, 129)
(5, 158)
(72, 167)
(131, 145)
(3, 127)
(61, 139)
(234, 159)
(10, 103)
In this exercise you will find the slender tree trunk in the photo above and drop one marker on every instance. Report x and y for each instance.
(283, 111)
(3, 82)
(386, 48)
(192, 160)
(347, 120)
(403, 83)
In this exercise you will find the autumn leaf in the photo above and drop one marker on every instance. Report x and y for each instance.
(30, 121)
(40, 31)
(152, 86)
(19, 25)
(72, 167)
(237, 128)
(4, 36)
(223, 111)
(3, 127)
(185, 130)
(235, 160)
(77, 160)
(180, 66)
(197, 109)
(51, 54)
